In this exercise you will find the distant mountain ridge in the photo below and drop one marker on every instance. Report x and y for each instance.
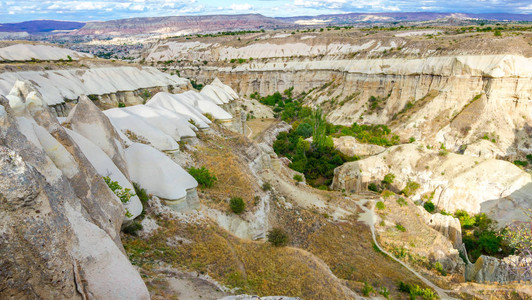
(336, 19)
(216, 23)
(186, 24)
(40, 26)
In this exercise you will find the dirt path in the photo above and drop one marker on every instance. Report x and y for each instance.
(369, 217)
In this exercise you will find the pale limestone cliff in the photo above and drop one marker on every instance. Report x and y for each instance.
(452, 181)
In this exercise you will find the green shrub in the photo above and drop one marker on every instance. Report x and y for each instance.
(410, 188)
(402, 202)
(237, 205)
(429, 206)
(266, 186)
(400, 227)
(415, 291)
(93, 97)
(388, 178)
(304, 130)
(132, 228)
(373, 187)
(141, 193)
(278, 237)
(384, 292)
(121, 104)
(203, 176)
(298, 178)
(124, 194)
(380, 205)
(438, 267)
(387, 194)
(367, 289)
(521, 163)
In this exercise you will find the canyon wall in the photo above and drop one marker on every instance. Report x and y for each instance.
(457, 96)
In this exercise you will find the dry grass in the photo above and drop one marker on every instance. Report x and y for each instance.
(346, 247)
(234, 180)
(260, 125)
(417, 243)
(253, 267)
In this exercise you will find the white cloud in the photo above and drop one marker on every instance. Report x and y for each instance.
(244, 6)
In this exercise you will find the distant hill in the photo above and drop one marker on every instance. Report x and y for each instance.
(40, 26)
(184, 24)
(336, 19)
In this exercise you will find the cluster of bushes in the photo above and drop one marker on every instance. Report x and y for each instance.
(284, 105)
(203, 176)
(316, 161)
(237, 205)
(524, 163)
(415, 291)
(278, 237)
(197, 86)
(369, 134)
(480, 236)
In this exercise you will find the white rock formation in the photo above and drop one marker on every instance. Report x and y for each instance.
(88, 120)
(125, 121)
(496, 187)
(57, 211)
(27, 52)
(106, 167)
(161, 176)
(172, 103)
(57, 85)
(171, 123)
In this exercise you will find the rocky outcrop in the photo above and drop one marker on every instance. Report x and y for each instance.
(453, 181)
(490, 269)
(58, 85)
(348, 145)
(28, 52)
(87, 120)
(180, 25)
(60, 223)
(448, 226)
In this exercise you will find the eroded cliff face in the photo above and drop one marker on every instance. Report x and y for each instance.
(454, 89)
(60, 222)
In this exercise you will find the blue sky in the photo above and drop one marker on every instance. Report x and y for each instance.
(83, 10)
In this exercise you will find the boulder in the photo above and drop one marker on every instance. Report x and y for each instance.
(490, 269)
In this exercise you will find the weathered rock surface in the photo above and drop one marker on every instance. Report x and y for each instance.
(426, 89)
(59, 228)
(448, 226)
(348, 145)
(27, 52)
(58, 85)
(87, 119)
(498, 188)
(491, 269)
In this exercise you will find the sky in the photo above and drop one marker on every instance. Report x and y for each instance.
(82, 10)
